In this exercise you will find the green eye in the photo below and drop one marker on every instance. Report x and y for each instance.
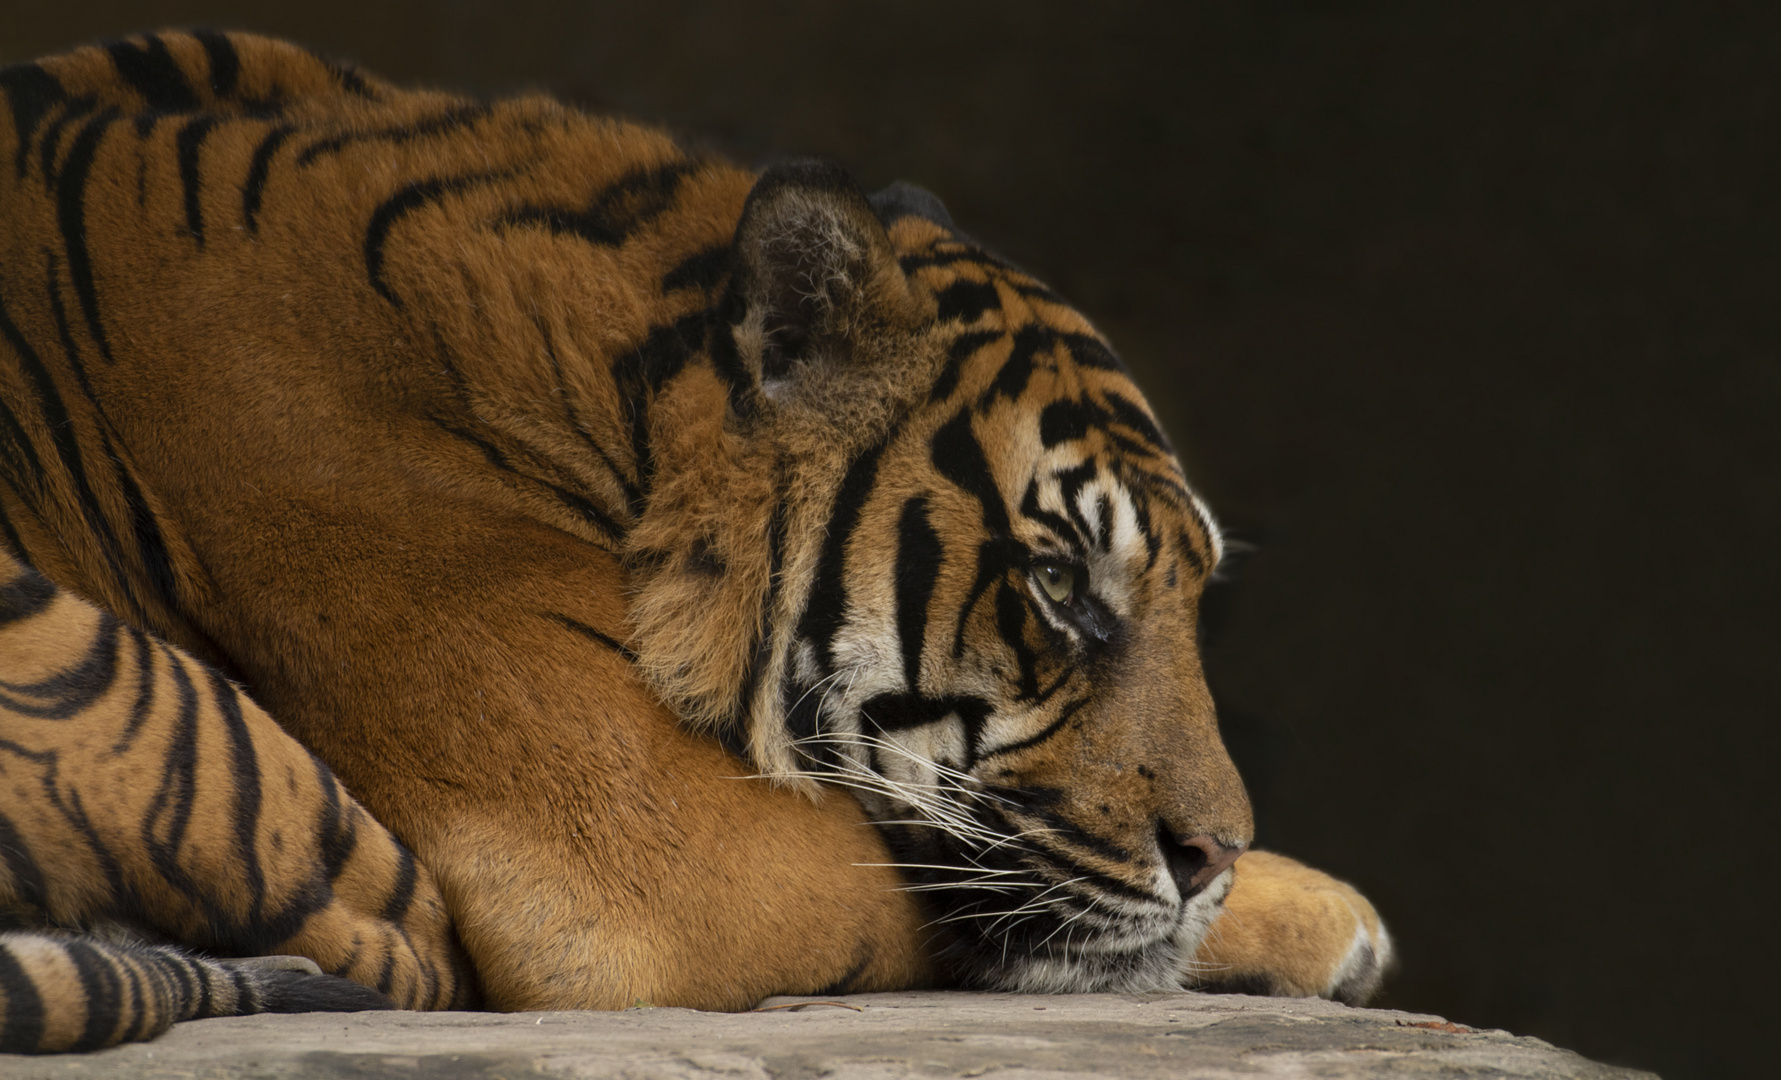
(1059, 582)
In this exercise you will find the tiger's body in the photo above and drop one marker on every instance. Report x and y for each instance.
(546, 483)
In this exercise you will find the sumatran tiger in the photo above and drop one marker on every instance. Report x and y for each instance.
(669, 582)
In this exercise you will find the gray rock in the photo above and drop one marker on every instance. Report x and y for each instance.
(866, 1037)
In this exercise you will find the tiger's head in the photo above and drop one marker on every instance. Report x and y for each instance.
(918, 535)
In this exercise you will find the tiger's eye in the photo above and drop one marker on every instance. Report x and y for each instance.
(1059, 582)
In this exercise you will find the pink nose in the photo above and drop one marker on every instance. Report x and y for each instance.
(1193, 863)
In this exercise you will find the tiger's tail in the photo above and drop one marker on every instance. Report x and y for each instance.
(61, 993)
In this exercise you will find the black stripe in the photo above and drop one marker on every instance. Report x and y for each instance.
(964, 346)
(392, 210)
(103, 991)
(591, 634)
(702, 270)
(67, 803)
(23, 873)
(1091, 352)
(963, 254)
(254, 189)
(21, 1025)
(71, 195)
(583, 431)
(1065, 829)
(615, 212)
(151, 547)
(246, 991)
(152, 72)
(1017, 370)
(1153, 541)
(1133, 416)
(826, 607)
(349, 78)
(918, 566)
(1070, 483)
(803, 717)
(350, 961)
(51, 143)
(181, 981)
(844, 985)
(145, 691)
(1068, 710)
(14, 544)
(245, 772)
(1067, 419)
(453, 119)
(763, 632)
(190, 143)
(1190, 552)
(71, 691)
(1096, 878)
(402, 893)
(641, 373)
(899, 711)
(726, 356)
(170, 810)
(1060, 526)
(136, 1006)
(25, 596)
(1035, 291)
(24, 468)
(205, 973)
(32, 92)
(225, 62)
(994, 557)
(387, 974)
(958, 456)
(336, 829)
(967, 300)
(575, 501)
(67, 444)
(1012, 608)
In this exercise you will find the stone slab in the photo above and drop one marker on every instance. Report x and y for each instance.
(865, 1037)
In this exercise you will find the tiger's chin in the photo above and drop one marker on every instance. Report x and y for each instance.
(1139, 955)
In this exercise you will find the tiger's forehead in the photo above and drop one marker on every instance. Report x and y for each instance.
(1046, 395)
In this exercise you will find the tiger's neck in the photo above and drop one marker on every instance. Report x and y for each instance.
(725, 555)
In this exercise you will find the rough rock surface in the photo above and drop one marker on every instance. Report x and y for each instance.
(877, 1036)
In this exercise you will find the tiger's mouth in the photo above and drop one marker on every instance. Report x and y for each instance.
(1021, 897)
(1022, 912)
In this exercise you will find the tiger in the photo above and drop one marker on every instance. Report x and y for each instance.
(479, 554)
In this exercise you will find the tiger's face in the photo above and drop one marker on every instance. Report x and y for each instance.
(985, 573)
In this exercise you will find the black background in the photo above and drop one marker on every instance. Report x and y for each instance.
(1463, 312)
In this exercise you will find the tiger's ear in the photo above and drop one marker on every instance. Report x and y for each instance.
(817, 275)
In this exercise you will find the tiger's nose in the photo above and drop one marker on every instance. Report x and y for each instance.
(1193, 863)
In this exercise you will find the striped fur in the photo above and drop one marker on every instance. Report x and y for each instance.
(140, 789)
(594, 511)
(66, 993)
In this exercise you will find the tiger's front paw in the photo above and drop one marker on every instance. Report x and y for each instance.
(1287, 930)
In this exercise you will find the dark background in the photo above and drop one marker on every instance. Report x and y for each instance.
(1464, 313)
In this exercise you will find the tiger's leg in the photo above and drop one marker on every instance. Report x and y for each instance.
(1286, 930)
(139, 788)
